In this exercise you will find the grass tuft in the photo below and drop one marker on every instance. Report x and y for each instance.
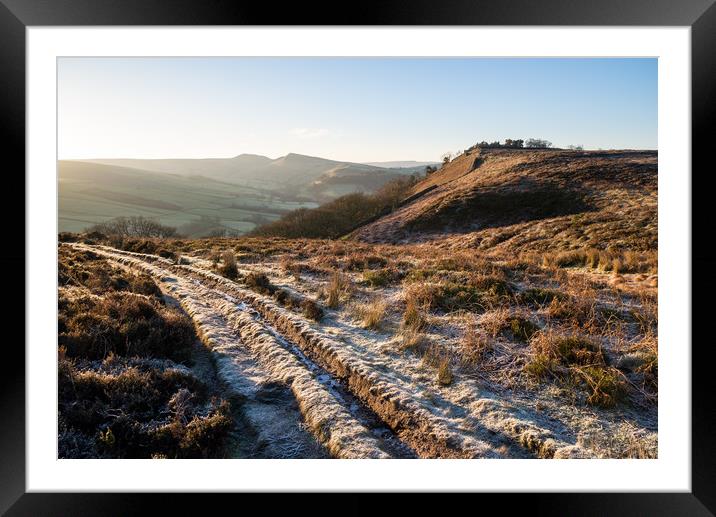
(312, 310)
(372, 313)
(260, 283)
(228, 266)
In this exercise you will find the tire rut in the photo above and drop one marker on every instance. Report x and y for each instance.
(381, 403)
(339, 421)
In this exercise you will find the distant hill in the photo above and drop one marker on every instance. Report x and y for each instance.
(530, 199)
(90, 193)
(207, 196)
(317, 178)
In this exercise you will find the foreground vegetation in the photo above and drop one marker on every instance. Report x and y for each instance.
(125, 389)
(544, 330)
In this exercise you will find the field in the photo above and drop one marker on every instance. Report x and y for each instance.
(207, 197)
(93, 193)
(506, 308)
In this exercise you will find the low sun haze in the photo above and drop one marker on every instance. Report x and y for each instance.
(352, 109)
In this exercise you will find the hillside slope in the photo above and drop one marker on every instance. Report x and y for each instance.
(531, 200)
(318, 178)
(91, 193)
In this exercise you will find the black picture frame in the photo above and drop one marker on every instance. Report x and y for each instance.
(700, 15)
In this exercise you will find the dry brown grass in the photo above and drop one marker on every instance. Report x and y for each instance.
(312, 310)
(413, 340)
(228, 267)
(371, 313)
(88, 270)
(439, 359)
(260, 283)
(121, 390)
(615, 261)
(445, 375)
(133, 409)
(642, 358)
(543, 201)
(579, 362)
(123, 323)
(647, 313)
(414, 317)
(289, 265)
(474, 346)
(338, 291)
(494, 321)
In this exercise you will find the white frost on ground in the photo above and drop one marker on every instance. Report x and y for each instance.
(469, 418)
(229, 330)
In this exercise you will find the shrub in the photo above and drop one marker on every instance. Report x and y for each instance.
(336, 218)
(378, 278)
(283, 297)
(413, 317)
(604, 384)
(474, 346)
(228, 266)
(540, 366)
(491, 284)
(360, 261)
(260, 283)
(167, 254)
(146, 246)
(135, 226)
(87, 269)
(452, 296)
(569, 350)
(411, 339)
(580, 309)
(214, 257)
(67, 237)
(445, 376)
(123, 323)
(522, 329)
(311, 310)
(579, 360)
(537, 296)
(128, 410)
(200, 437)
(494, 321)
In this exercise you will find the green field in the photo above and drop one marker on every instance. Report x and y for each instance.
(91, 193)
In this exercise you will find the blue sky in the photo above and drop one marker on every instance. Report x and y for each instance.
(356, 109)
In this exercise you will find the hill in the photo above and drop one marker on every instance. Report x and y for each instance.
(91, 193)
(530, 200)
(317, 178)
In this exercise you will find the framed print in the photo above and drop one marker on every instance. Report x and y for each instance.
(435, 250)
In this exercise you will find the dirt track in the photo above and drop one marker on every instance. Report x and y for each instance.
(348, 402)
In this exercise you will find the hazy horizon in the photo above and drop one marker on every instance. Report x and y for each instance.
(348, 109)
(367, 162)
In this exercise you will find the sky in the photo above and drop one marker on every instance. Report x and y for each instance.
(351, 109)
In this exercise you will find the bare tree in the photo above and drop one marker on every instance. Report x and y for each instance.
(135, 226)
(537, 143)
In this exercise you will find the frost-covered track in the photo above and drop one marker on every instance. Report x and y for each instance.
(230, 328)
(356, 403)
(266, 330)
